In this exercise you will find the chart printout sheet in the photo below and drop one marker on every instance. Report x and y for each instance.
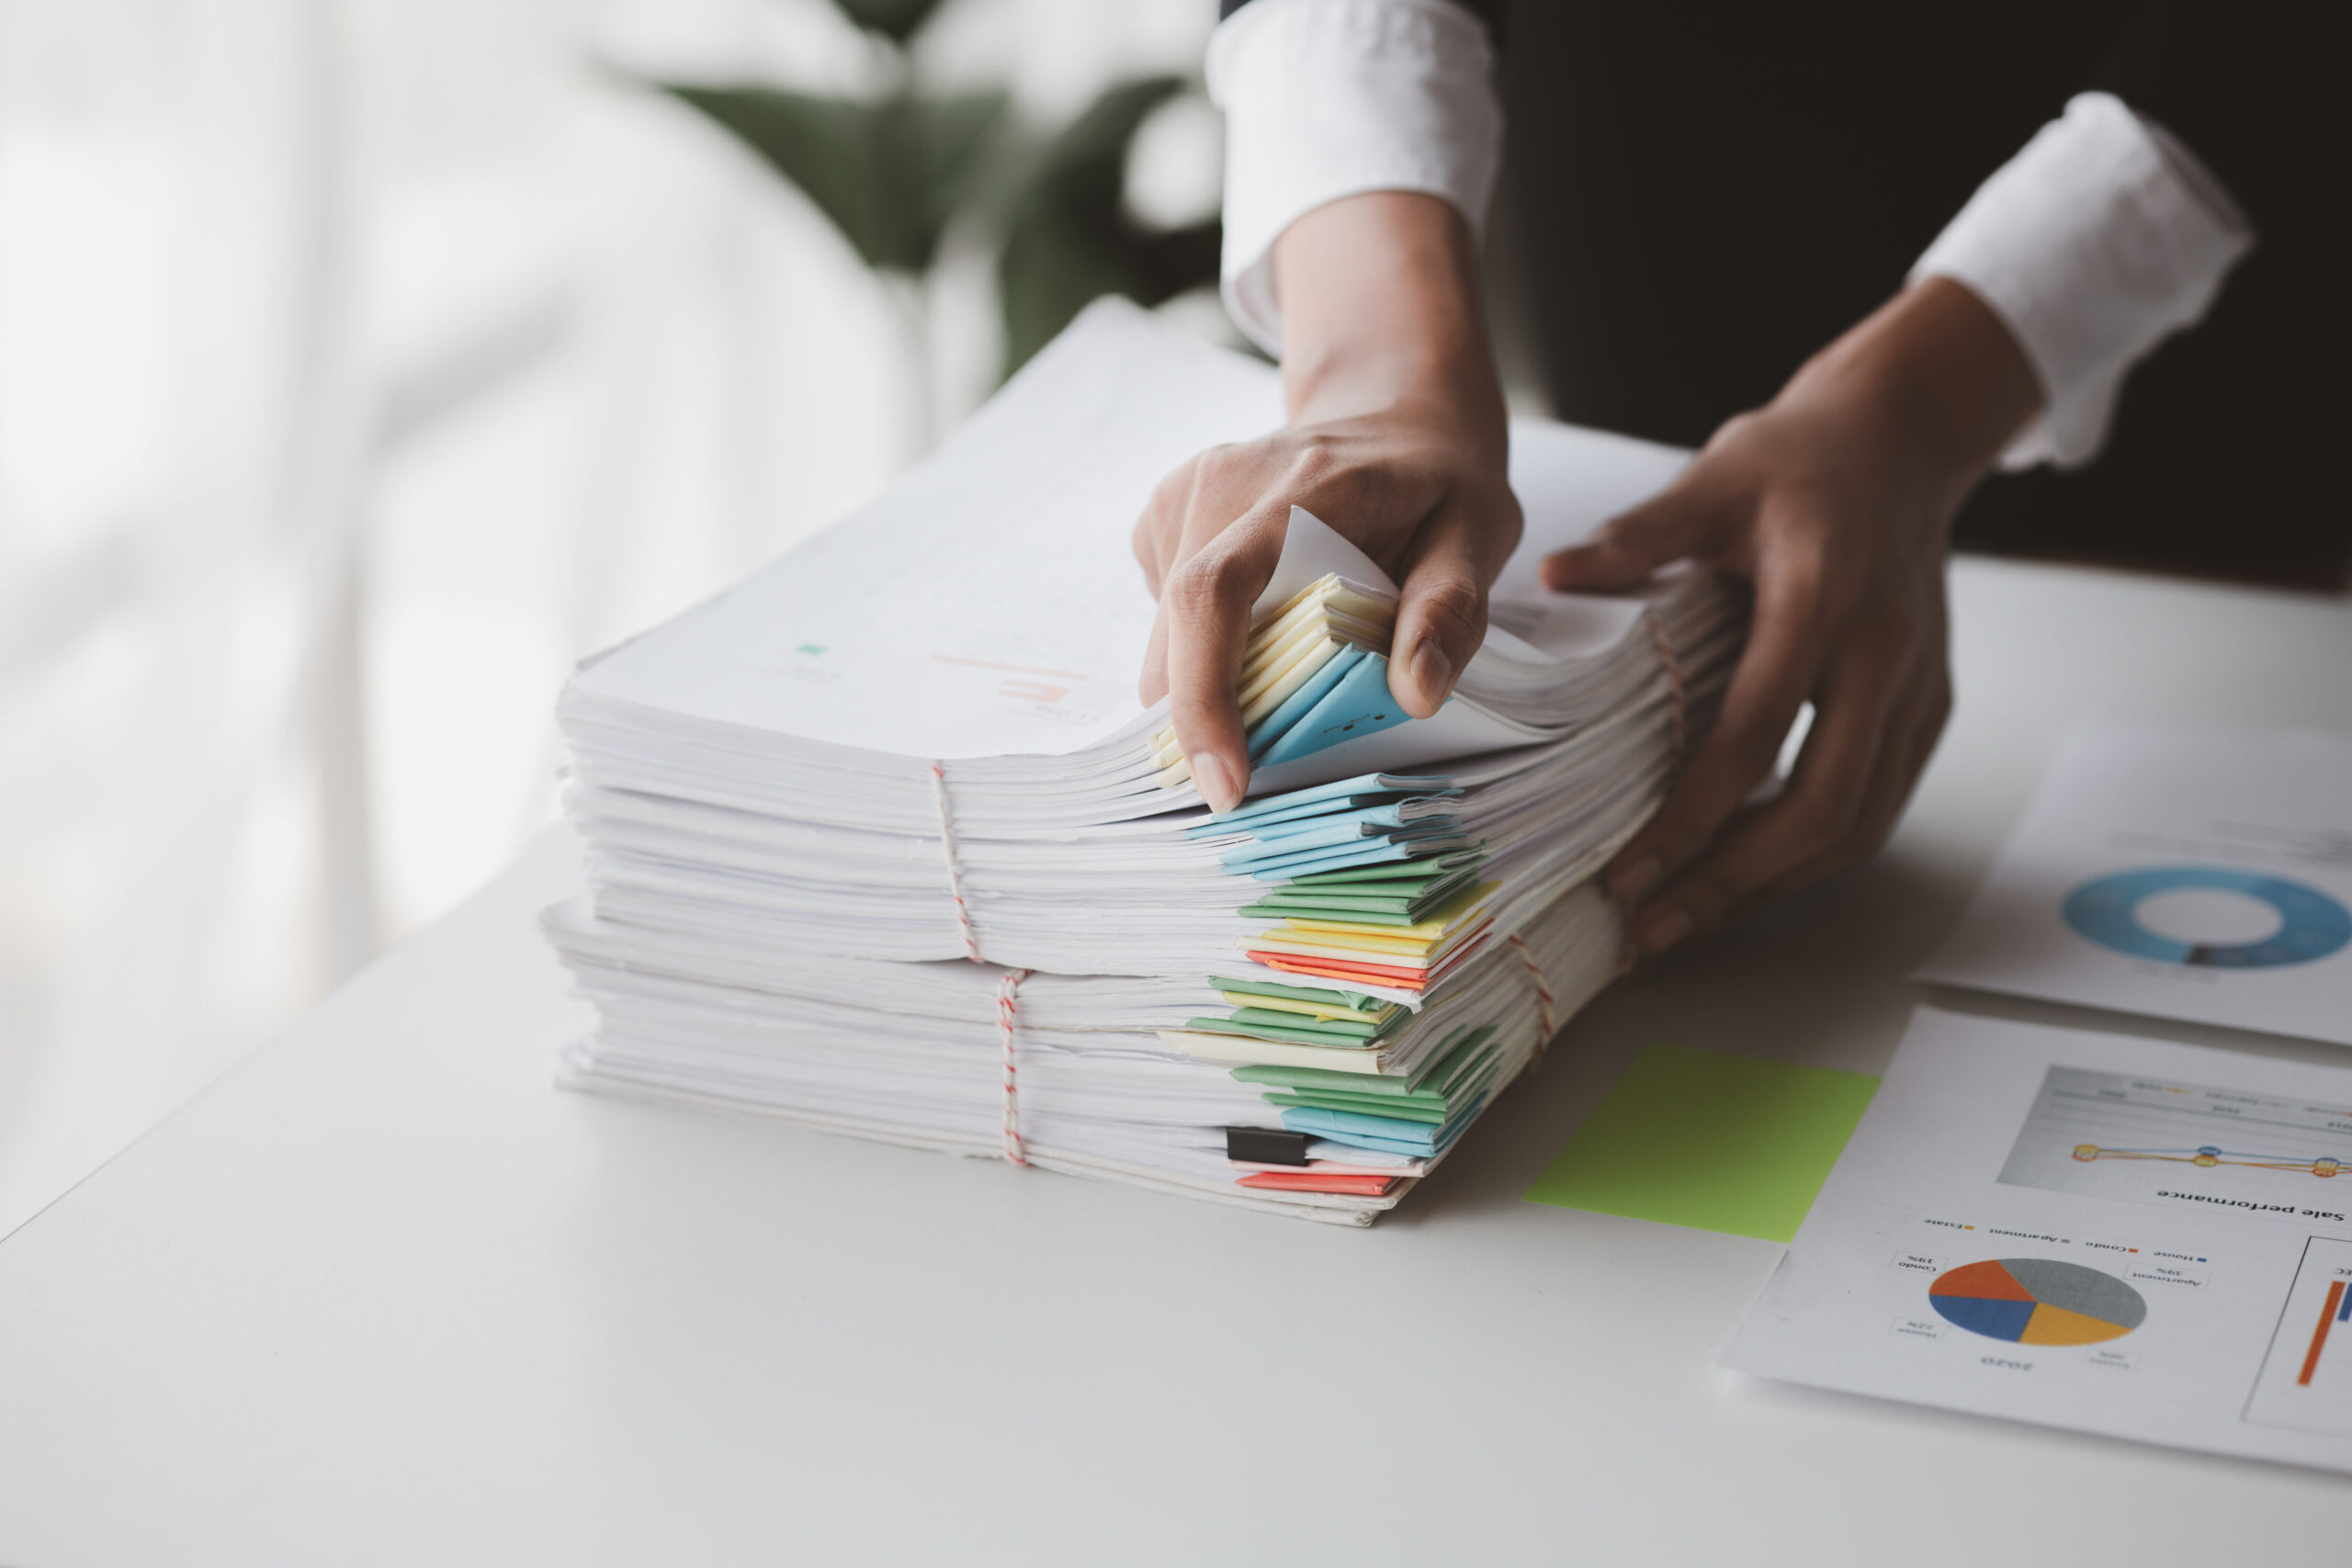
(2182, 871)
(2090, 1231)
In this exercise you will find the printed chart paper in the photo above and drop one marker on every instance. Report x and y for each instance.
(2203, 873)
(1714, 1142)
(2088, 1231)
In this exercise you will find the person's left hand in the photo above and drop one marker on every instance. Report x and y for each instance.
(1834, 502)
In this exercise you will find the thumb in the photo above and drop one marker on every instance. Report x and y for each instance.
(1684, 520)
(1442, 611)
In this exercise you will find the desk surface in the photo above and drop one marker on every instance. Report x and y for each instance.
(382, 1294)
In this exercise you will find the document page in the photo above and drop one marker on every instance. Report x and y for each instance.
(990, 604)
(2184, 872)
(2085, 1230)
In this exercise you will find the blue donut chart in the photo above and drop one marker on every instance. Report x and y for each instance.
(2313, 925)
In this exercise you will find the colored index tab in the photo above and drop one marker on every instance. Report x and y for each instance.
(1714, 1142)
(1362, 784)
(1357, 706)
(1271, 729)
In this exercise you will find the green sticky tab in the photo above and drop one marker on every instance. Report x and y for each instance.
(1401, 872)
(1405, 909)
(1355, 1001)
(1718, 1143)
(1322, 911)
(1275, 1018)
(1284, 1033)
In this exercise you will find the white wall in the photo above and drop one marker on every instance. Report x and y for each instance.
(361, 366)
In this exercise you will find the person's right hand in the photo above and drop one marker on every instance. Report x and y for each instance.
(1398, 440)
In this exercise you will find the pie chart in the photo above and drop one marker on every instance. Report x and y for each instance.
(2031, 1300)
(2311, 925)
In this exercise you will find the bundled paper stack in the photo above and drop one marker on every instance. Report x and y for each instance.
(881, 840)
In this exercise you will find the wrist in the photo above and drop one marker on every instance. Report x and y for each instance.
(1381, 316)
(1941, 372)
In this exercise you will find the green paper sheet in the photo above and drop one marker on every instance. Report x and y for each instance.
(1717, 1142)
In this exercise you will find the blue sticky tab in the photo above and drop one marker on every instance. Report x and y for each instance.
(1375, 816)
(1360, 704)
(1302, 702)
(1321, 836)
(1362, 784)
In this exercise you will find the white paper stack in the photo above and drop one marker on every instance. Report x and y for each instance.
(883, 841)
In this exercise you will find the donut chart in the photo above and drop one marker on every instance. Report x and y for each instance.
(2311, 925)
(2032, 1300)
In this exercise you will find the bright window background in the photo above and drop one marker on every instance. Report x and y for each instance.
(362, 365)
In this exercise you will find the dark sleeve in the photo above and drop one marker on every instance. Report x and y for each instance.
(2238, 85)
(1490, 12)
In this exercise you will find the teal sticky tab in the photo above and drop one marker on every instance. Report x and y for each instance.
(1717, 1142)
(1359, 705)
(1299, 703)
(1429, 1114)
(1380, 1132)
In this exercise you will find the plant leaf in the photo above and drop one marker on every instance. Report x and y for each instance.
(945, 140)
(1067, 238)
(889, 174)
(897, 21)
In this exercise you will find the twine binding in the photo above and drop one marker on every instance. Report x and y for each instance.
(1543, 992)
(955, 873)
(1008, 990)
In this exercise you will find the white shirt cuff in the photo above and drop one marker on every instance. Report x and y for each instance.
(2097, 241)
(1330, 98)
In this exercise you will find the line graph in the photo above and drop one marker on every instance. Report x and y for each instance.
(2159, 1141)
(2208, 1155)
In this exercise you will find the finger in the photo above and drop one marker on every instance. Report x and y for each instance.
(1821, 814)
(1686, 519)
(1442, 609)
(1154, 684)
(1158, 533)
(1788, 643)
(1207, 603)
(1921, 712)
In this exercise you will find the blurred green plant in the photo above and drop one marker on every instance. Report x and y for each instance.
(894, 170)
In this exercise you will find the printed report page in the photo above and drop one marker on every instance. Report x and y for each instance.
(2087, 1230)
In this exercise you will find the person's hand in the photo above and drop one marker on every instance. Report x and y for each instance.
(1834, 502)
(1398, 440)
(1419, 494)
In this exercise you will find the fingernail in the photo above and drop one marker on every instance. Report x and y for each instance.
(1214, 779)
(1664, 930)
(1432, 672)
(1639, 878)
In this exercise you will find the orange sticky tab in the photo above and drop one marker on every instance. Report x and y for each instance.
(1310, 1181)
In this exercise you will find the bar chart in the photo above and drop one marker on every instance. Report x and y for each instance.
(2306, 1380)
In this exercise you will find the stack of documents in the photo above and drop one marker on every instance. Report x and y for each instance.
(882, 840)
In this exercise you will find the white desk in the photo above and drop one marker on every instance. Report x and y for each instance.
(383, 1295)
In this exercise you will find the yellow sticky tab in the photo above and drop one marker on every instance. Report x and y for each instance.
(1309, 1010)
(1286, 939)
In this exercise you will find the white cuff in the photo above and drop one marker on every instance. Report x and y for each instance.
(1327, 98)
(2097, 241)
